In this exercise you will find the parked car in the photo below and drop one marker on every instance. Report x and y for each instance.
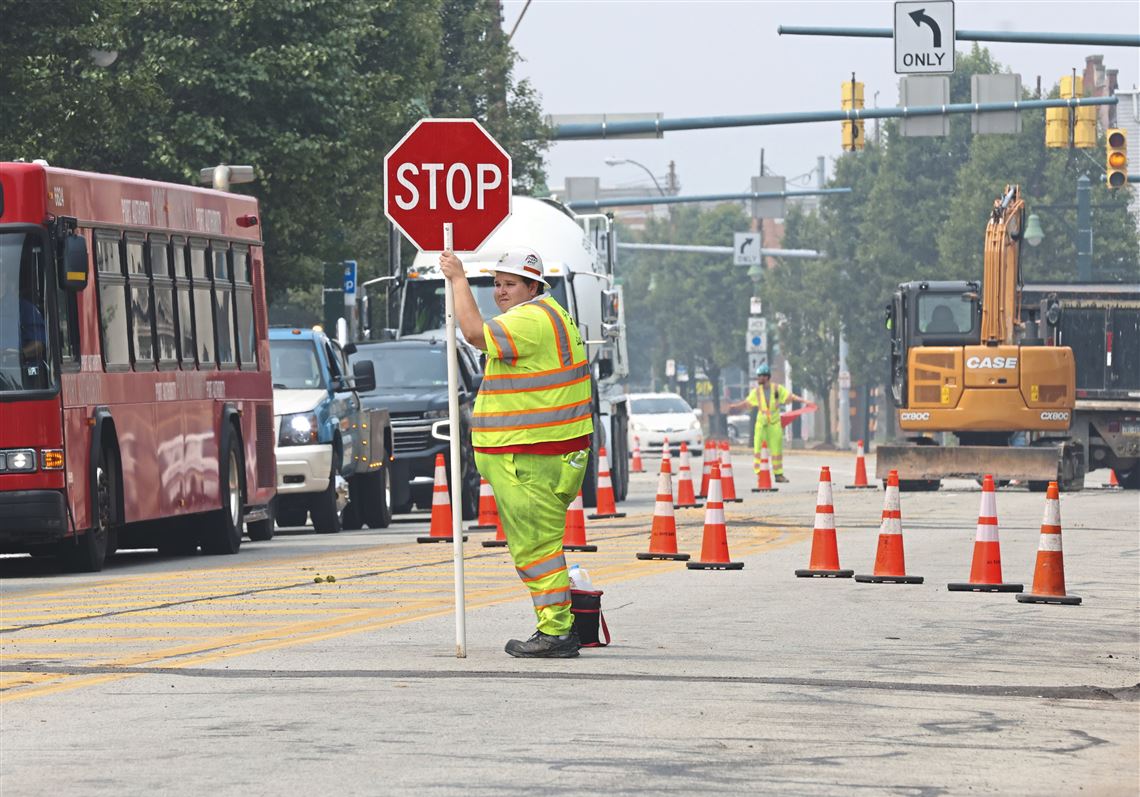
(332, 452)
(653, 417)
(411, 384)
(741, 428)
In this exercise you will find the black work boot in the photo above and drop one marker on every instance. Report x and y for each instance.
(781, 478)
(545, 646)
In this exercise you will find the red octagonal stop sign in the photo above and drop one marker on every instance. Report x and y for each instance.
(447, 170)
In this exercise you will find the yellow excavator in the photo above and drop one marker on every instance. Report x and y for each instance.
(963, 362)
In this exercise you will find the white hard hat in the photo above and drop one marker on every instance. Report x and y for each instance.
(524, 262)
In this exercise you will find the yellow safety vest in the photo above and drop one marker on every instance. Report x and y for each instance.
(537, 383)
(770, 409)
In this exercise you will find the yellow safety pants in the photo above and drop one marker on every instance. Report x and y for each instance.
(532, 492)
(772, 433)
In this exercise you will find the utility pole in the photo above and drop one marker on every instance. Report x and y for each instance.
(1084, 230)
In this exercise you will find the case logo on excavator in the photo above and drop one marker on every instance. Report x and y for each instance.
(991, 362)
(914, 416)
(1054, 416)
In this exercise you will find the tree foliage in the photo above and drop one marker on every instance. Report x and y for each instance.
(312, 93)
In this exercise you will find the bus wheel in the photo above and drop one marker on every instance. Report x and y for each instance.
(224, 528)
(323, 510)
(90, 551)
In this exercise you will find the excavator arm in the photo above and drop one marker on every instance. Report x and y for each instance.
(1001, 280)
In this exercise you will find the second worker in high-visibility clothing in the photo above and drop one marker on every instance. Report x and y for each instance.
(767, 398)
(531, 431)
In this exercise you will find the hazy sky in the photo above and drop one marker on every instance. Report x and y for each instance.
(706, 58)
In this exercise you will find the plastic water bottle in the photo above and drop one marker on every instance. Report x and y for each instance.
(580, 579)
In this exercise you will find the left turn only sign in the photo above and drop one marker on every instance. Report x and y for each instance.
(447, 171)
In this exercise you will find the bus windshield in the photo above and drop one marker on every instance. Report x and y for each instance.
(26, 361)
(423, 302)
(294, 365)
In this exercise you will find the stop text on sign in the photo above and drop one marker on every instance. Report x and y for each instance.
(457, 184)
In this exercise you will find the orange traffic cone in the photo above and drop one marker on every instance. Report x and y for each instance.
(440, 530)
(488, 511)
(890, 564)
(663, 535)
(824, 551)
(666, 455)
(1049, 574)
(706, 467)
(764, 477)
(1113, 484)
(574, 535)
(489, 517)
(606, 508)
(861, 473)
(985, 570)
(636, 466)
(686, 499)
(727, 481)
(714, 546)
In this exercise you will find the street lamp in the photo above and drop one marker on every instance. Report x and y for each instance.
(612, 161)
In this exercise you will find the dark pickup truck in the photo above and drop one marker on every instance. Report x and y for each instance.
(411, 384)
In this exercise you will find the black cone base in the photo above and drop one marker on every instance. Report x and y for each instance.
(603, 517)
(734, 500)
(676, 557)
(494, 543)
(585, 548)
(687, 506)
(825, 573)
(715, 565)
(860, 487)
(1059, 600)
(437, 539)
(764, 490)
(889, 579)
(985, 587)
(490, 527)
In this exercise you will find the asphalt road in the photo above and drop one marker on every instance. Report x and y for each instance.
(242, 675)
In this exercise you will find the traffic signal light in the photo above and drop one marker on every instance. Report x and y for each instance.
(1076, 127)
(1116, 158)
(852, 99)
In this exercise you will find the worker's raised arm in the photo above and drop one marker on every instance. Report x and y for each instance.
(467, 313)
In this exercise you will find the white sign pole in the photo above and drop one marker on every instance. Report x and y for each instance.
(455, 479)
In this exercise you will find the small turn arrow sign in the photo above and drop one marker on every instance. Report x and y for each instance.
(919, 17)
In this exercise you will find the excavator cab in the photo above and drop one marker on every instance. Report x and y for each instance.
(930, 314)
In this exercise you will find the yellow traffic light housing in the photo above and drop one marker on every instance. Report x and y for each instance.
(1071, 127)
(1116, 158)
(851, 96)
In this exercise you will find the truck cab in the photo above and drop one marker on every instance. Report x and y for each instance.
(330, 449)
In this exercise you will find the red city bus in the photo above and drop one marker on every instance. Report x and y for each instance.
(137, 410)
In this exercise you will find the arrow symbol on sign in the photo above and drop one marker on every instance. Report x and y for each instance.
(747, 242)
(919, 17)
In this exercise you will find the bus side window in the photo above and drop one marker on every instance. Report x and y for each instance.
(185, 308)
(139, 291)
(166, 334)
(223, 304)
(204, 345)
(243, 302)
(113, 302)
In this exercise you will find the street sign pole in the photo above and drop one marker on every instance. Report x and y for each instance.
(456, 465)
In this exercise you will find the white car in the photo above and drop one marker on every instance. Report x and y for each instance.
(655, 417)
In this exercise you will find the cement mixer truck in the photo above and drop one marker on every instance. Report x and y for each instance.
(578, 254)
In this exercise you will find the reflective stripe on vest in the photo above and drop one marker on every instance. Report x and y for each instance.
(763, 405)
(539, 396)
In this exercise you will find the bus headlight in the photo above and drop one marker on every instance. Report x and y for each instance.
(298, 430)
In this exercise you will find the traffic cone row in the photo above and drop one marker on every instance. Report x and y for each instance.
(663, 534)
(636, 465)
(861, 472)
(440, 529)
(764, 477)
